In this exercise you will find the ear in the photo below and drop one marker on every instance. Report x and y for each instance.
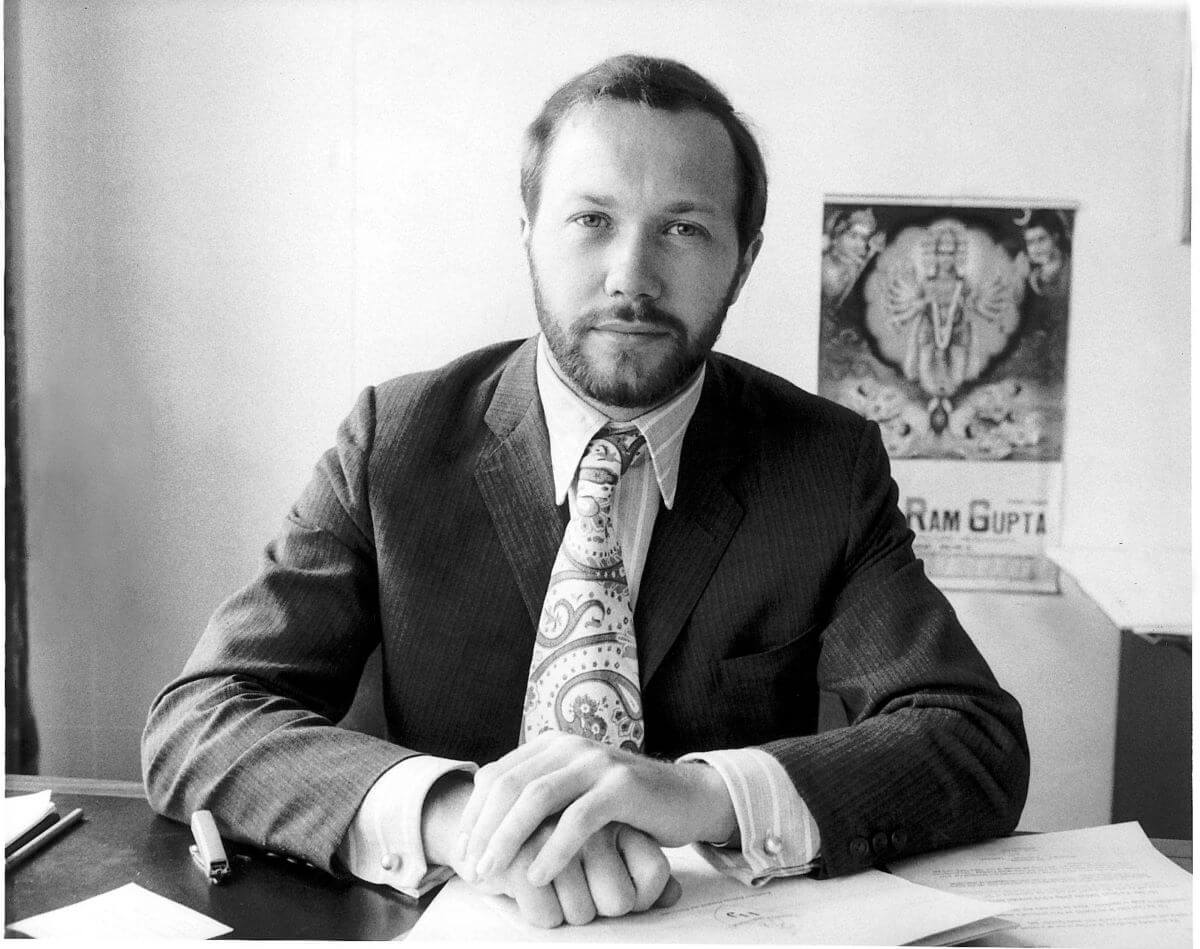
(744, 265)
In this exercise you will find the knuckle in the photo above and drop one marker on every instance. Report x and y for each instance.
(650, 879)
(538, 793)
(485, 775)
(594, 756)
(508, 784)
(621, 773)
(619, 902)
(584, 817)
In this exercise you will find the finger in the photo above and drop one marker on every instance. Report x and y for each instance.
(484, 778)
(538, 905)
(608, 880)
(497, 786)
(574, 897)
(647, 866)
(581, 820)
(540, 799)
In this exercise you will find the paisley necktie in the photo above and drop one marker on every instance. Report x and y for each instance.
(583, 678)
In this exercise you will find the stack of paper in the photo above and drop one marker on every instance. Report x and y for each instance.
(26, 816)
(1099, 887)
(870, 908)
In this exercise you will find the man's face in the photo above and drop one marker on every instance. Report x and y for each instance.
(1039, 245)
(634, 251)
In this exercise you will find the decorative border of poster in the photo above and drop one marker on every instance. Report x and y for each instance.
(945, 321)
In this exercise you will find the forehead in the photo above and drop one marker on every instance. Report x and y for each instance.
(629, 151)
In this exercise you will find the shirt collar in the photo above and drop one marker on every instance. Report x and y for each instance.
(572, 423)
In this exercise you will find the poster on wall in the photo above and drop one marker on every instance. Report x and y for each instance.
(946, 322)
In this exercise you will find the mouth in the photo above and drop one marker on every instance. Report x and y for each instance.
(620, 328)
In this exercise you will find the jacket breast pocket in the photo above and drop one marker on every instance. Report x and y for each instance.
(771, 694)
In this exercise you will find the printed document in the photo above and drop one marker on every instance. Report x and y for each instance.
(869, 908)
(1100, 887)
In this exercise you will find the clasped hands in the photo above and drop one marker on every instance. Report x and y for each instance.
(572, 829)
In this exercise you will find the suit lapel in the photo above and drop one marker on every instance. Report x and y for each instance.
(689, 540)
(515, 479)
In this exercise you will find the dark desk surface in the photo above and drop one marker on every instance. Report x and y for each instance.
(122, 841)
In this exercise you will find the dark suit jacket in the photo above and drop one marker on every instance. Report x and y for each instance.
(784, 568)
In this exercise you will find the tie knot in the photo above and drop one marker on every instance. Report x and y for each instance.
(614, 449)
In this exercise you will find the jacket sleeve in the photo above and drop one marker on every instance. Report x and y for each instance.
(935, 752)
(247, 729)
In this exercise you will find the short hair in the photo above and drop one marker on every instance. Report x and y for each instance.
(1053, 223)
(660, 84)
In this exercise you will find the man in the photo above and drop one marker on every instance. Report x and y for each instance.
(1046, 246)
(607, 564)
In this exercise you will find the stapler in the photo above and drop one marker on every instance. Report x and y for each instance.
(208, 853)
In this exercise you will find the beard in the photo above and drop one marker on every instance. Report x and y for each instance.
(632, 378)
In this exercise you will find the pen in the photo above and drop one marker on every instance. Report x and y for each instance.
(47, 836)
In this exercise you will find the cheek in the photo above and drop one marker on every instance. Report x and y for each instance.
(563, 271)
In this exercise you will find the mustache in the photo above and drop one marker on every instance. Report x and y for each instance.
(645, 312)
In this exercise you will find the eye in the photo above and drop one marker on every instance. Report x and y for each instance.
(686, 229)
(591, 220)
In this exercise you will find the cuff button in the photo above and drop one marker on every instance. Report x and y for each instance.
(773, 845)
(899, 839)
(390, 861)
(859, 848)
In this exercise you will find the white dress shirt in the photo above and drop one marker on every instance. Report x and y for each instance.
(777, 835)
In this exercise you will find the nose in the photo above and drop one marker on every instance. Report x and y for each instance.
(633, 268)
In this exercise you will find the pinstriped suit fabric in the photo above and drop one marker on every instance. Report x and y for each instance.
(784, 568)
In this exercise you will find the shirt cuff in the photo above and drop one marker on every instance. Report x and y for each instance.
(383, 842)
(779, 836)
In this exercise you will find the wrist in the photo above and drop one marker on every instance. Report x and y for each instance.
(718, 818)
(443, 806)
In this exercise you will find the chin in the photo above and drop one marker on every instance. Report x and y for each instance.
(634, 381)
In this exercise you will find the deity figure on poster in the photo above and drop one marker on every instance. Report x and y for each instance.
(851, 239)
(941, 303)
(947, 326)
(1048, 251)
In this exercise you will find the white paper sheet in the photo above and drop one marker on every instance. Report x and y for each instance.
(24, 811)
(1100, 887)
(129, 912)
(870, 908)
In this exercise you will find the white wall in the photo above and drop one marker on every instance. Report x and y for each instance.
(231, 216)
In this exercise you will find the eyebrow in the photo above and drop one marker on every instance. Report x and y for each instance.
(601, 200)
(682, 206)
(690, 207)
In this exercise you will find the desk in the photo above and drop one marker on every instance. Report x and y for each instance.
(122, 841)
(1147, 593)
